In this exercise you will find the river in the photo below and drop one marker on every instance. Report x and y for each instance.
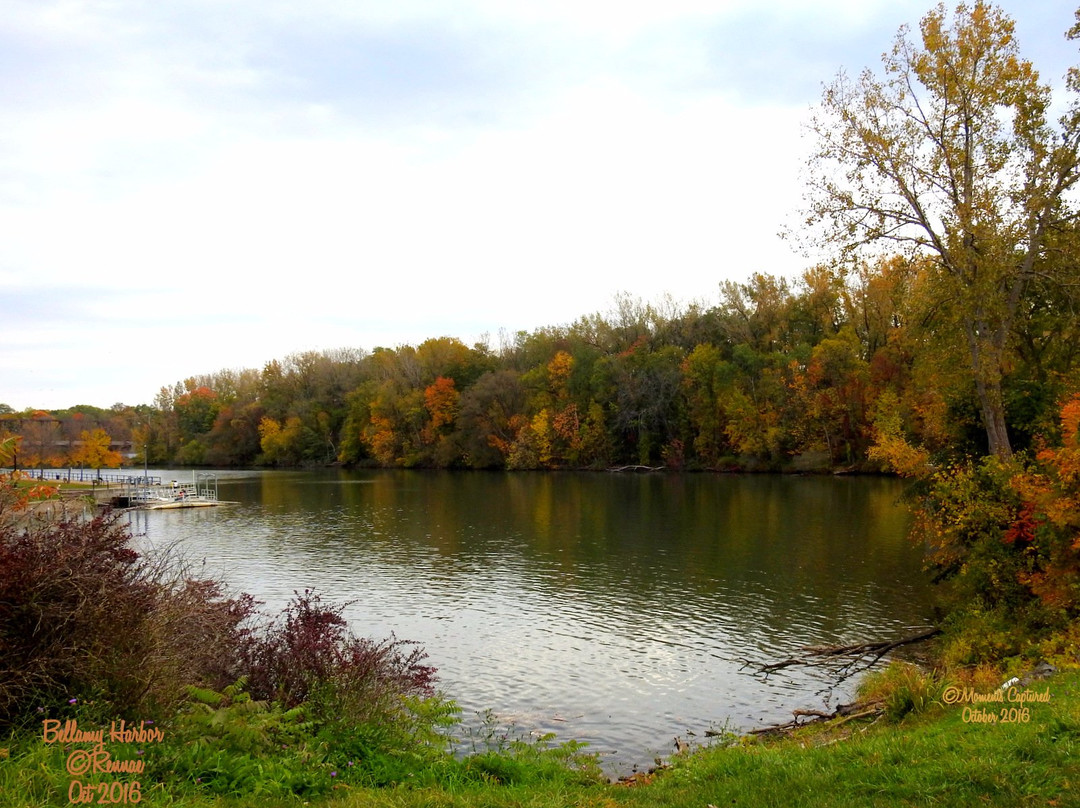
(616, 609)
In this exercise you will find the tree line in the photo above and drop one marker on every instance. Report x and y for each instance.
(805, 374)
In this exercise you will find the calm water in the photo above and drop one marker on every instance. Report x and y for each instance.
(614, 609)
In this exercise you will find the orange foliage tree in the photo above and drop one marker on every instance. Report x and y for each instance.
(12, 497)
(441, 401)
(1047, 526)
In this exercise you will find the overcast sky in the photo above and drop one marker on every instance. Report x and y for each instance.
(192, 185)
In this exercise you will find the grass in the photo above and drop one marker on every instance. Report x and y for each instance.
(933, 759)
(932, 756)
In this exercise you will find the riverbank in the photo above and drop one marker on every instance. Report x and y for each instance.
(965, 748)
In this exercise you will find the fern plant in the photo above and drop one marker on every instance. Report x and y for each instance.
(228, 743)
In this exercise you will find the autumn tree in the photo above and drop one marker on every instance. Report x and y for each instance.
(440, 399)
(489, 418)
(93, 450)
(831, 396)
(13, 498)
(234, 438)
(950, 154)
(41, 434)
(817, 311)
(877, 301)
(449, 357)
(755, 313)
(196, 411)
(280, 443)
(1047, 527)
(441, 402)
(552, 437)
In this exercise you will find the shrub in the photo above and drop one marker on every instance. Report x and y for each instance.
(373, 702)
(903, 688)
(82, 613)
(226, 743)
(308, 651)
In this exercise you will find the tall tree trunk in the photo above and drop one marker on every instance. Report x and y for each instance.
(986, 366)
(993, 415)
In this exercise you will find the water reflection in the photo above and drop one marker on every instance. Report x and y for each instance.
(614, 609)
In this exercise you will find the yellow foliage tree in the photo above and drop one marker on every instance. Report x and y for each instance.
(93, 451)
(950, 154)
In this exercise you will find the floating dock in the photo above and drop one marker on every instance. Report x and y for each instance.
(139, 492)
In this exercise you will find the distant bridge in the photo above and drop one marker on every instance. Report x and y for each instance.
(50, 427)
(124, 447)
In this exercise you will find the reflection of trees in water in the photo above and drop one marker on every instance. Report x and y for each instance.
(766, 549)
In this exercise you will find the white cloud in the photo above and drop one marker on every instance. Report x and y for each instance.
(229, 183)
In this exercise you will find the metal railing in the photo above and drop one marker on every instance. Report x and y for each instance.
(204, 488)
(73, 475)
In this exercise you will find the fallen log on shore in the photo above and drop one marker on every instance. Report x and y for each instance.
(841, 715)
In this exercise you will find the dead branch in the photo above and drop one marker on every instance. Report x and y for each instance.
(865, 648)
(841, 715)
(787, 663)
(814, 713)
(846, 658)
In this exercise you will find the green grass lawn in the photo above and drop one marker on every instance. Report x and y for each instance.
(936, 758)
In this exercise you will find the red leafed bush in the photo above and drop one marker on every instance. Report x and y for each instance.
(82, 612)
(309, 653)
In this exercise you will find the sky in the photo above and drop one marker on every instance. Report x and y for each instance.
(188, 186)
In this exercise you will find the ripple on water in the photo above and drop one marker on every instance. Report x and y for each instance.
(575, 610)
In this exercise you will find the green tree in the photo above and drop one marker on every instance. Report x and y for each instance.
(950, 154)
(646, 387)
(705, 375)
(196, 411)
